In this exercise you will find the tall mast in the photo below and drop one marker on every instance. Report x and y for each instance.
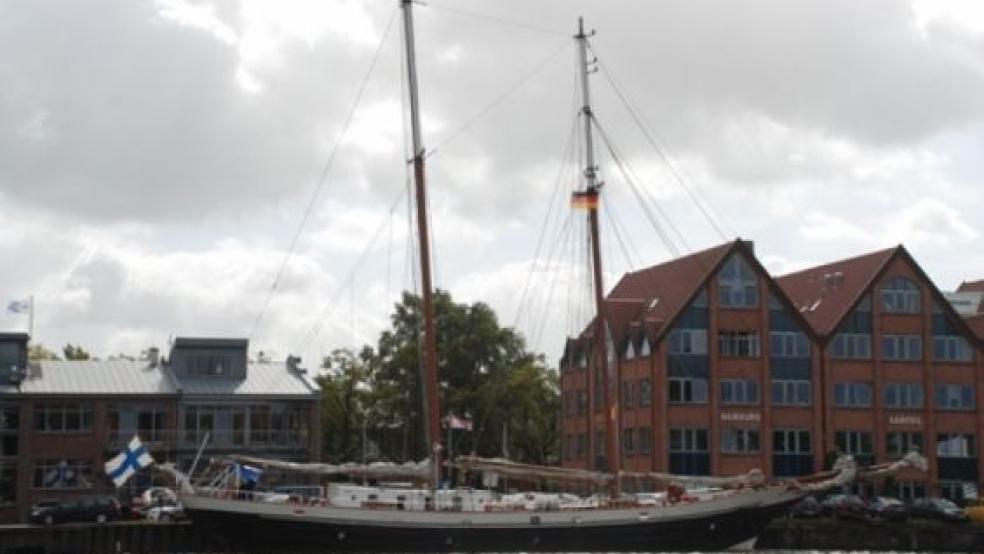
(590, 194)
(432, 431)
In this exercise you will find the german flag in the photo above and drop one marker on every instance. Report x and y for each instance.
(586, 199)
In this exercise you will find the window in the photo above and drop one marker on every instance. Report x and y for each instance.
(908, 490)
(582, 361)
(628, 394)
(259, 424)
(629, 351)
(955, 490)
(787, 344)
(205, 365)
(955, 445)
(63, 474)
(899, 295)
(851, 395)
(737, 284)
(739, 391)
(952, 349)
(645, 440)
(902, 347)
(645, 392)
(736, 440)
(900, 443)
(9, 426)
(791, 441)
(857, 443)
(687, 341)
(743, 344)
(644, 350)
(788, 392)
(688, 440)
(628, 441)
(954, 397)
(851, 346)
(63, 418)
(148, 422)
(687, 389)
(580, 445)
(8, 483)
(582, 402)
(904, 395)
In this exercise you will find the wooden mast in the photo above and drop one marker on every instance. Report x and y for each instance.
(590, 197)
(432, 430)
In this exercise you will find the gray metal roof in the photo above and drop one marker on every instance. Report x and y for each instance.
(262, 379)
(95, 377)
(119, 377)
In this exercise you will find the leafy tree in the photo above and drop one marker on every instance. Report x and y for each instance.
(485, 373)
(37, 352)
(75, 352)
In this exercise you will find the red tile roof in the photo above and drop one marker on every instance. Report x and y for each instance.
(825, 293)
(661, 291)
(976, 324)
(971, 286)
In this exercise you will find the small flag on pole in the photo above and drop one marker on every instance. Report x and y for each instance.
(133, 458)
(586, 199)
(19, 307)
(454, 422)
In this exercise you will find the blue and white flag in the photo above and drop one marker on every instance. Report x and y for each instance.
(19, 307)
(133, 458)
(249, 473)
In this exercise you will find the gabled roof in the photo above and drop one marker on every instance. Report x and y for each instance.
(825, 294)
(976, 324)
(971, 286)
(667, 288)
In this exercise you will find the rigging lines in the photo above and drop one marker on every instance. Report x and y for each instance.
(323, 178)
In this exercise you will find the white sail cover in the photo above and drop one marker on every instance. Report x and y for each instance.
(377, 470)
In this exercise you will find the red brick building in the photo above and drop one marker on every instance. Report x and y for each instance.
(723, 369)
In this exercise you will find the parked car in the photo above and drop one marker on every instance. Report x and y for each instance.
(88, 508)
(851, 506)
(165, 513)
(808, 507)
(887, 509)
(938, 508)
(975, 510)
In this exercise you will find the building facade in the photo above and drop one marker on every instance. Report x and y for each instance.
(61, 420)
(722, 369)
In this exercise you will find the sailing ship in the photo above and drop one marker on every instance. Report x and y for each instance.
(692, 513)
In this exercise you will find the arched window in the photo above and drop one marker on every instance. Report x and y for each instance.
(644, 350)
(899, 295)
(630, 351)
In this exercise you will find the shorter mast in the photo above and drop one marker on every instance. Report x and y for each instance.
(588, 198)
(432, 407)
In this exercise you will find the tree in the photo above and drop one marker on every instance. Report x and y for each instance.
(75, 352)
(37, 352)
(485, 373)
(343, 406)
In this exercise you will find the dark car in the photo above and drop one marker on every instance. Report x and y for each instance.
(887, 509)
(844, 506)
(938, 508)
(89, 508)
(808, 507)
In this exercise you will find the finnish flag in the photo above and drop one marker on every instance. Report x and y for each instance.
(126, 463)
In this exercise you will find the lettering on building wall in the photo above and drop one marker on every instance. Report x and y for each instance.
(741, 416)
(902, 419)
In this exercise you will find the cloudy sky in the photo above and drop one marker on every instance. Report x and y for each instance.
(157, 158)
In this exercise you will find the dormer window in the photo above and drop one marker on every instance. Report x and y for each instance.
(737, 284)
(630, 351)
(899, 295)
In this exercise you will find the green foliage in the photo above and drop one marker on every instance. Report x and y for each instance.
(37, 352)
(75, 352)
(485, 373)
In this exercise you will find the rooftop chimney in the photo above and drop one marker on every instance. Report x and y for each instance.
(153, 356)
(293, 364)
